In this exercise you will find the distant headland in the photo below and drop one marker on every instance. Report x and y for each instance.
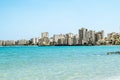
(84, 37)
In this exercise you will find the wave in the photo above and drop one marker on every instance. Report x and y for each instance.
(113, 78)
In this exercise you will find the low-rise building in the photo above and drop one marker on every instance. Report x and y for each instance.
(3, 43)
(21, 42)
(113, 38)
(34, 41)
(44, 41)
(9, 43)
(0, 42)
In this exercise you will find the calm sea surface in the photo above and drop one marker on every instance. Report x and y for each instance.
(59, 63)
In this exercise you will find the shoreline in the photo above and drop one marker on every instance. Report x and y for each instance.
(53, 45)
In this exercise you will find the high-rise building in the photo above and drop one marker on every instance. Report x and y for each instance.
(44, 35)
(75, 39)
(44, 39)
(69, 38)
(102, 34)
(59, 37)
(61, 41)
(83, 36)
(99, 35)
(65, 41)
(55, 38)
(99, 38)
(91, 37)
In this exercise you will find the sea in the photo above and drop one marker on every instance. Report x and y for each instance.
(59, 63)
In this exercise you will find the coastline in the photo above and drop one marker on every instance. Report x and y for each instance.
(54, 45)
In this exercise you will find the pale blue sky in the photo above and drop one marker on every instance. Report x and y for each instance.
(21, 19)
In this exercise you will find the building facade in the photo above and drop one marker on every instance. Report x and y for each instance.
(91, 37)
(44, 35)
(83, 36)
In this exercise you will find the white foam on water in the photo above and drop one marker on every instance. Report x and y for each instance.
(113, 78)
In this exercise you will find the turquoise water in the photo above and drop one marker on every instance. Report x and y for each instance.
(59, 63)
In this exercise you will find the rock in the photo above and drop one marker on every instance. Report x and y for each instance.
(109, 53)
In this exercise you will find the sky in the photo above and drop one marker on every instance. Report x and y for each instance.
(25, 19)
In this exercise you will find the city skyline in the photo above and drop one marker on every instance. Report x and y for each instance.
(25, 19)
(40, 35)
(84, 37)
